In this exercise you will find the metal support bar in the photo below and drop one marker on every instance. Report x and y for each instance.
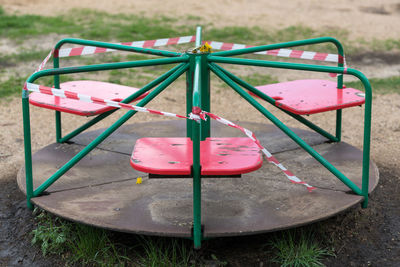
(107, 66)
(279, 65)
(108, 132)
(56, 65)
(189, 95)
(28, 149)
(197, 234)
(205, 126)
(196, 137)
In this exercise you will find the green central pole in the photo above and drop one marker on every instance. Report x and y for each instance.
(196, 60)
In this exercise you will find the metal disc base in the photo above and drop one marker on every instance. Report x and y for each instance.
(101, 189)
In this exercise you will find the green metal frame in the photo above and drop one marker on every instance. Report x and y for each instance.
(197, 67)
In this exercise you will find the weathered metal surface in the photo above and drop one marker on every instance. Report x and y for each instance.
(312, 96)
(101, 190)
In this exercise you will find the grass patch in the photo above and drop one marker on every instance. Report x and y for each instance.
(83, 245)
(257, 79)
(162, 252)
(298, 248)
(51, 234)
(380, 85)
(75, 242)
(24, 56)
(22, 26)
(89, 24)
(11, 86)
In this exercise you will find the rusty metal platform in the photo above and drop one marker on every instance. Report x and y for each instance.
(101, 190)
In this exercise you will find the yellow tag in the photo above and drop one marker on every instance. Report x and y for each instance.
(206, 48)
(139, 180)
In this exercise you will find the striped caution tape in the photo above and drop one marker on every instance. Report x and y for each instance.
(289, 53)
(281, 52)
(90, 50)
(92, 99)
(41, 66)
(268, 155)
(197, 115)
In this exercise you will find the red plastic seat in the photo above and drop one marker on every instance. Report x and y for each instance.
(174, 156)
(312, 96)
(102, 90)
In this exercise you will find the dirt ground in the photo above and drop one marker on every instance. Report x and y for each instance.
(368, 237)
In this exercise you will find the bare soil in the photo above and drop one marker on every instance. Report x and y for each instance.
(369, 237)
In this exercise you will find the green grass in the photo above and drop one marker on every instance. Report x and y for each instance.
(75, 242)
(89, 24)
(298, 248)
(22, 26)
(380, 85)
(256, 79)
(163, 252)
(7, 60)
(88, 246)
(11, 86)
(83, 245)
(51, 234)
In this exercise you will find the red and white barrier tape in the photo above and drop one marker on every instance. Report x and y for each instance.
(41, 66)
(268, 155)
(92, 99)
(281, 52)
(90, 50)
(196, 115)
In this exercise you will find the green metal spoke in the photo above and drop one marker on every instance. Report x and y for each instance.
(280, 65)
(108, 66)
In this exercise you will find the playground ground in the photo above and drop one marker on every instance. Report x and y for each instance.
(369, 237)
